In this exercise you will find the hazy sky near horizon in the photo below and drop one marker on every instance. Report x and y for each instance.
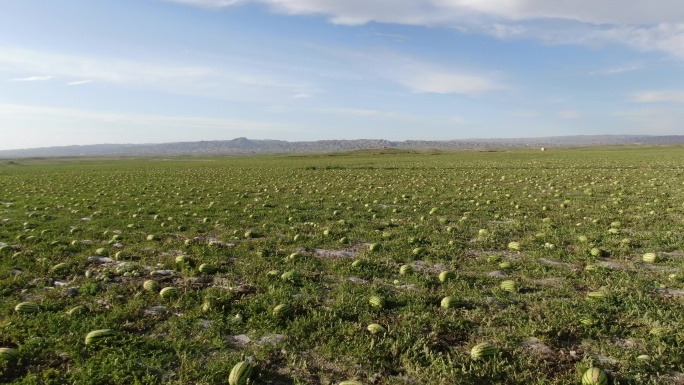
(146, 71)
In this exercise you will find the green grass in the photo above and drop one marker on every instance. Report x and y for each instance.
(248, 215)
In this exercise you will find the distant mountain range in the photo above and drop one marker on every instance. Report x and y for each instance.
(249, 146)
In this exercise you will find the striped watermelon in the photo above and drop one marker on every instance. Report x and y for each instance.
(509, 286)
(596, 295)
(151, 285)
(588, 321)
(98, 335)
(594, 376)
(290, 276)
(377, 301)
(80, 309)
(446, 276)
(240, 373)
(357, 263)
(61, 268)
(207, 268)
(482, 350)
(649, 257)
(169, 292)
(350, 382)
(515, 246)
(27, 308)
(273, 273)
(505, 265)
(448, 302)
(7, 354)
(405, 269)
(376, 329)
(283, 310)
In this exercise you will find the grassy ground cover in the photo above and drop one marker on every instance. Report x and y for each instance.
(572, 230)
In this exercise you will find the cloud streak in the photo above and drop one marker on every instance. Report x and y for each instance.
(79, 82)
(32, 79)
(658, 97)
(642, 24)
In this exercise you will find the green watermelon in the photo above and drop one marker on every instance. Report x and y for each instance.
(377, 301)
(649, 257)
(376, 329)
(98, 335)
(169, 292)
(515, 246)
(482, 350)
(80, 309)
(446, 276)
(405, 269)
(7, 354)
(509, 286)
(61, 268)
(290, 276)
(27, 308)
(350, 382)
(283, 310)
(594, 376)
(240, 373)
(151, 285)
(207, 268)
(448, 302)
(596, 295)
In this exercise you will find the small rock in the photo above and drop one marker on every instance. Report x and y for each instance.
(60, 283)
(496, 274)
(242, 339)
(164, 273)
(96, 259)
(71, 291)
(156, 311)
(358, 280)
(271, 339)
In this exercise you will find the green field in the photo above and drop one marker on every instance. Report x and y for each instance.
(322, 234)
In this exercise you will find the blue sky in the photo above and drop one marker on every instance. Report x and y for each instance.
(145, 71)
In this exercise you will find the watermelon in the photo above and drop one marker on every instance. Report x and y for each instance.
(649, 257)
(283, 310)
(505, 265)
(493, 259)
(151, 285)
(448, 302)
(515, 246)
(240, 373)
(350, 382)
(374, 247)
(273, 273)
(80, 309)
(207, 268)
(7, 354)
(405, 269)
(594, 376)
(61, 268)
(101, 252)
(482, 350)
(376, 329)
(27, 308)
(588, 321)
(377, 301)
(596, 295)
(290, 276)
(446, 276)
(509, 286)
(168, 292)
(357, 263)
(98, 335)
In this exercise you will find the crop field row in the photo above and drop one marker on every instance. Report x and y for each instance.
(381, 267)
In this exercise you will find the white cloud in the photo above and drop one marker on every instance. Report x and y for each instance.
(419, 76)
(302, 95)
(223, 82)
(617, 70)
(79, 82)
(658, 97)
(569, 114)
(643, 24)
(32, 79)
